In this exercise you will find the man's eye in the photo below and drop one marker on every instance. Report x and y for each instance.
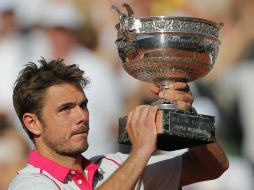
(84, 106)
(66, 108)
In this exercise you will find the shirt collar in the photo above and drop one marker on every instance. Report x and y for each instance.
(58, 171)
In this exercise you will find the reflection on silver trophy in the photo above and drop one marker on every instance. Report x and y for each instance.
(163, 50)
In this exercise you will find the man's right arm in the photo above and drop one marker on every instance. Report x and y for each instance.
(142, 133)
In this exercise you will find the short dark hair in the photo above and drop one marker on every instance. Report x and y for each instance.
(33, 82)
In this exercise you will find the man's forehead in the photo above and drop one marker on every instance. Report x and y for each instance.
(65, 92)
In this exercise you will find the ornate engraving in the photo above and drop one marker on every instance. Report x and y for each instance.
(170, 24)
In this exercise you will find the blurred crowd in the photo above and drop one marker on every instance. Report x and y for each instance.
(83, 32)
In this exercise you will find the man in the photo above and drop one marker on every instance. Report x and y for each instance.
(52, 106)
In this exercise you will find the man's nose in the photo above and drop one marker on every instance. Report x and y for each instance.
(83, 113)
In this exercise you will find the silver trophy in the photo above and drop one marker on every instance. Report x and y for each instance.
(162, 50)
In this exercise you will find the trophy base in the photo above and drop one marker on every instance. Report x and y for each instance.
(180, 130)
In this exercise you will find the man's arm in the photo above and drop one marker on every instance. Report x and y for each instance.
(202, 163)
(142, 133)
(126, 177)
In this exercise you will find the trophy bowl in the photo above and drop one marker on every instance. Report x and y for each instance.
(161, 50)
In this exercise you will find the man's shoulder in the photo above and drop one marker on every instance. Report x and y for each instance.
(121, 157)
(110, 162)
(113, 157)
(31, 178)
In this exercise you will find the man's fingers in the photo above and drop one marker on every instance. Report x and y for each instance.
(182, 105)
(180, 94)
(141, 127)
(152, 114)
(174, 95)
(155, 89)
(135, 115)
(158, 121)
(179, 86)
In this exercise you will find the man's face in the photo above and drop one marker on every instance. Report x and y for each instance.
(65, 120)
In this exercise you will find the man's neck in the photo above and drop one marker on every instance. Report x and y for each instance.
(72, 162)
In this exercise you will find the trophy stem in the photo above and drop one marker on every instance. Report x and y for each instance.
(164, 84)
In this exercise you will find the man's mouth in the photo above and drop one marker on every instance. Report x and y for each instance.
(81, 130)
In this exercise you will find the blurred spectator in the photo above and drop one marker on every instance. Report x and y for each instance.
(11, 52)
(237, 98)
(237, 84)
(235, 90)
(13, 151)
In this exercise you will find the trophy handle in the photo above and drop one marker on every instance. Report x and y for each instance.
(129, 9)
(118, 10)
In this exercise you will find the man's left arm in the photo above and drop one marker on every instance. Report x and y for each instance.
(202, 163)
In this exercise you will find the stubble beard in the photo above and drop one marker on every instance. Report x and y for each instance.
(65, 148)
(71, 152)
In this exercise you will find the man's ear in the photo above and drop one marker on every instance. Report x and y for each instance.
(32, 123)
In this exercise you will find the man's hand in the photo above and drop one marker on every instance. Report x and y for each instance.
(141, 128)
(144, 122)
(179, 93)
